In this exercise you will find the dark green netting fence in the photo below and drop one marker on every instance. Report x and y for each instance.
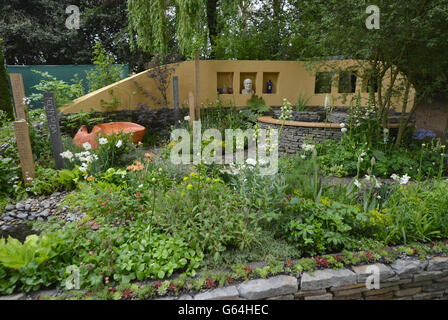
(61, 72)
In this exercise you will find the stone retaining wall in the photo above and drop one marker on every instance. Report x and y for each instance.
(292, 137)
(156, 121)
(406, 279)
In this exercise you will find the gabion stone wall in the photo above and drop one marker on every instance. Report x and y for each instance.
(293, 137)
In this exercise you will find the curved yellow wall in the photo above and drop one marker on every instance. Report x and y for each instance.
(290, 78)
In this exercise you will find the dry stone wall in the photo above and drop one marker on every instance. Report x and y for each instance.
(405, 279)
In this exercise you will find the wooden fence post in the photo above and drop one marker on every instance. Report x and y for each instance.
(22, 135)
(191, 105)
(197, 97)
(18, 93)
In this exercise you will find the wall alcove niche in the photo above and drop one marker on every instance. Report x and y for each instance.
(273, 77)
(248, 75)
(225, 83)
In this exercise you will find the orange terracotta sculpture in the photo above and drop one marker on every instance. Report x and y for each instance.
(106, 129)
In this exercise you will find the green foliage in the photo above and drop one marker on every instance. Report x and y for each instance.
(15, 255)
(105, 72)
(72, 122)
(302, 101)
(318, 227)
(9, 176)
(5, 95)
(68, 178)
(46, 182)
(64, 93)
(208, 214)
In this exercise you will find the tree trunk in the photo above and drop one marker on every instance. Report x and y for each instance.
(403, 123)
(212, 24)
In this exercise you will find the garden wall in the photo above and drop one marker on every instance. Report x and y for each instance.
(296, 133)
(310, 127)
(156, 121)
(406, 279)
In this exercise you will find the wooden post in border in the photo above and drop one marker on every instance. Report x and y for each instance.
(191, 105)
(23, 140)
(197, 97)
(18, 92)
(176, 100)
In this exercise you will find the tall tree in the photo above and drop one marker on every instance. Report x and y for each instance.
(5, 94)
(35, 33)
(411, 40)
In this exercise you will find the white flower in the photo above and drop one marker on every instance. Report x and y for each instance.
(377, 184)
(153, 179)
(187, 118)
(251, 162)
(367, 177)
(102, 141)
(344, 130)
(385, 130)
(308, 147)
(67, 155)
(26, 100)
(342, 125)
(83, 168)
(303, 156)
(395, 177)
(86, 146)
(363, 154)
(119, 143)
(140, 186)
(404, 179)
(357, 183)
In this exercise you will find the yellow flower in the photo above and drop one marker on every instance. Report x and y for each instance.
(186, 178)
(193, 174)
(172, 144)
(90, 178)
(216, 180)
(208, 179)
(190, 186)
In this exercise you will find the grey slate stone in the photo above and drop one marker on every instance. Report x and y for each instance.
(406, 268)
(45, 213)
(327, 278)
(427, 275)
(327, 296)
(361, 271)
(22, 216)
(226, 293)
(19, 296)
(9, 207)
(438, 264)
(265, 288)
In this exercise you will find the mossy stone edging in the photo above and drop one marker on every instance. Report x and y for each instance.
(409, 279)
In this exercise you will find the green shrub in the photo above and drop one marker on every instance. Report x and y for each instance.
(46, 182)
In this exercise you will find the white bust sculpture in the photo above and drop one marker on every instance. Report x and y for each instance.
(247, 87)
